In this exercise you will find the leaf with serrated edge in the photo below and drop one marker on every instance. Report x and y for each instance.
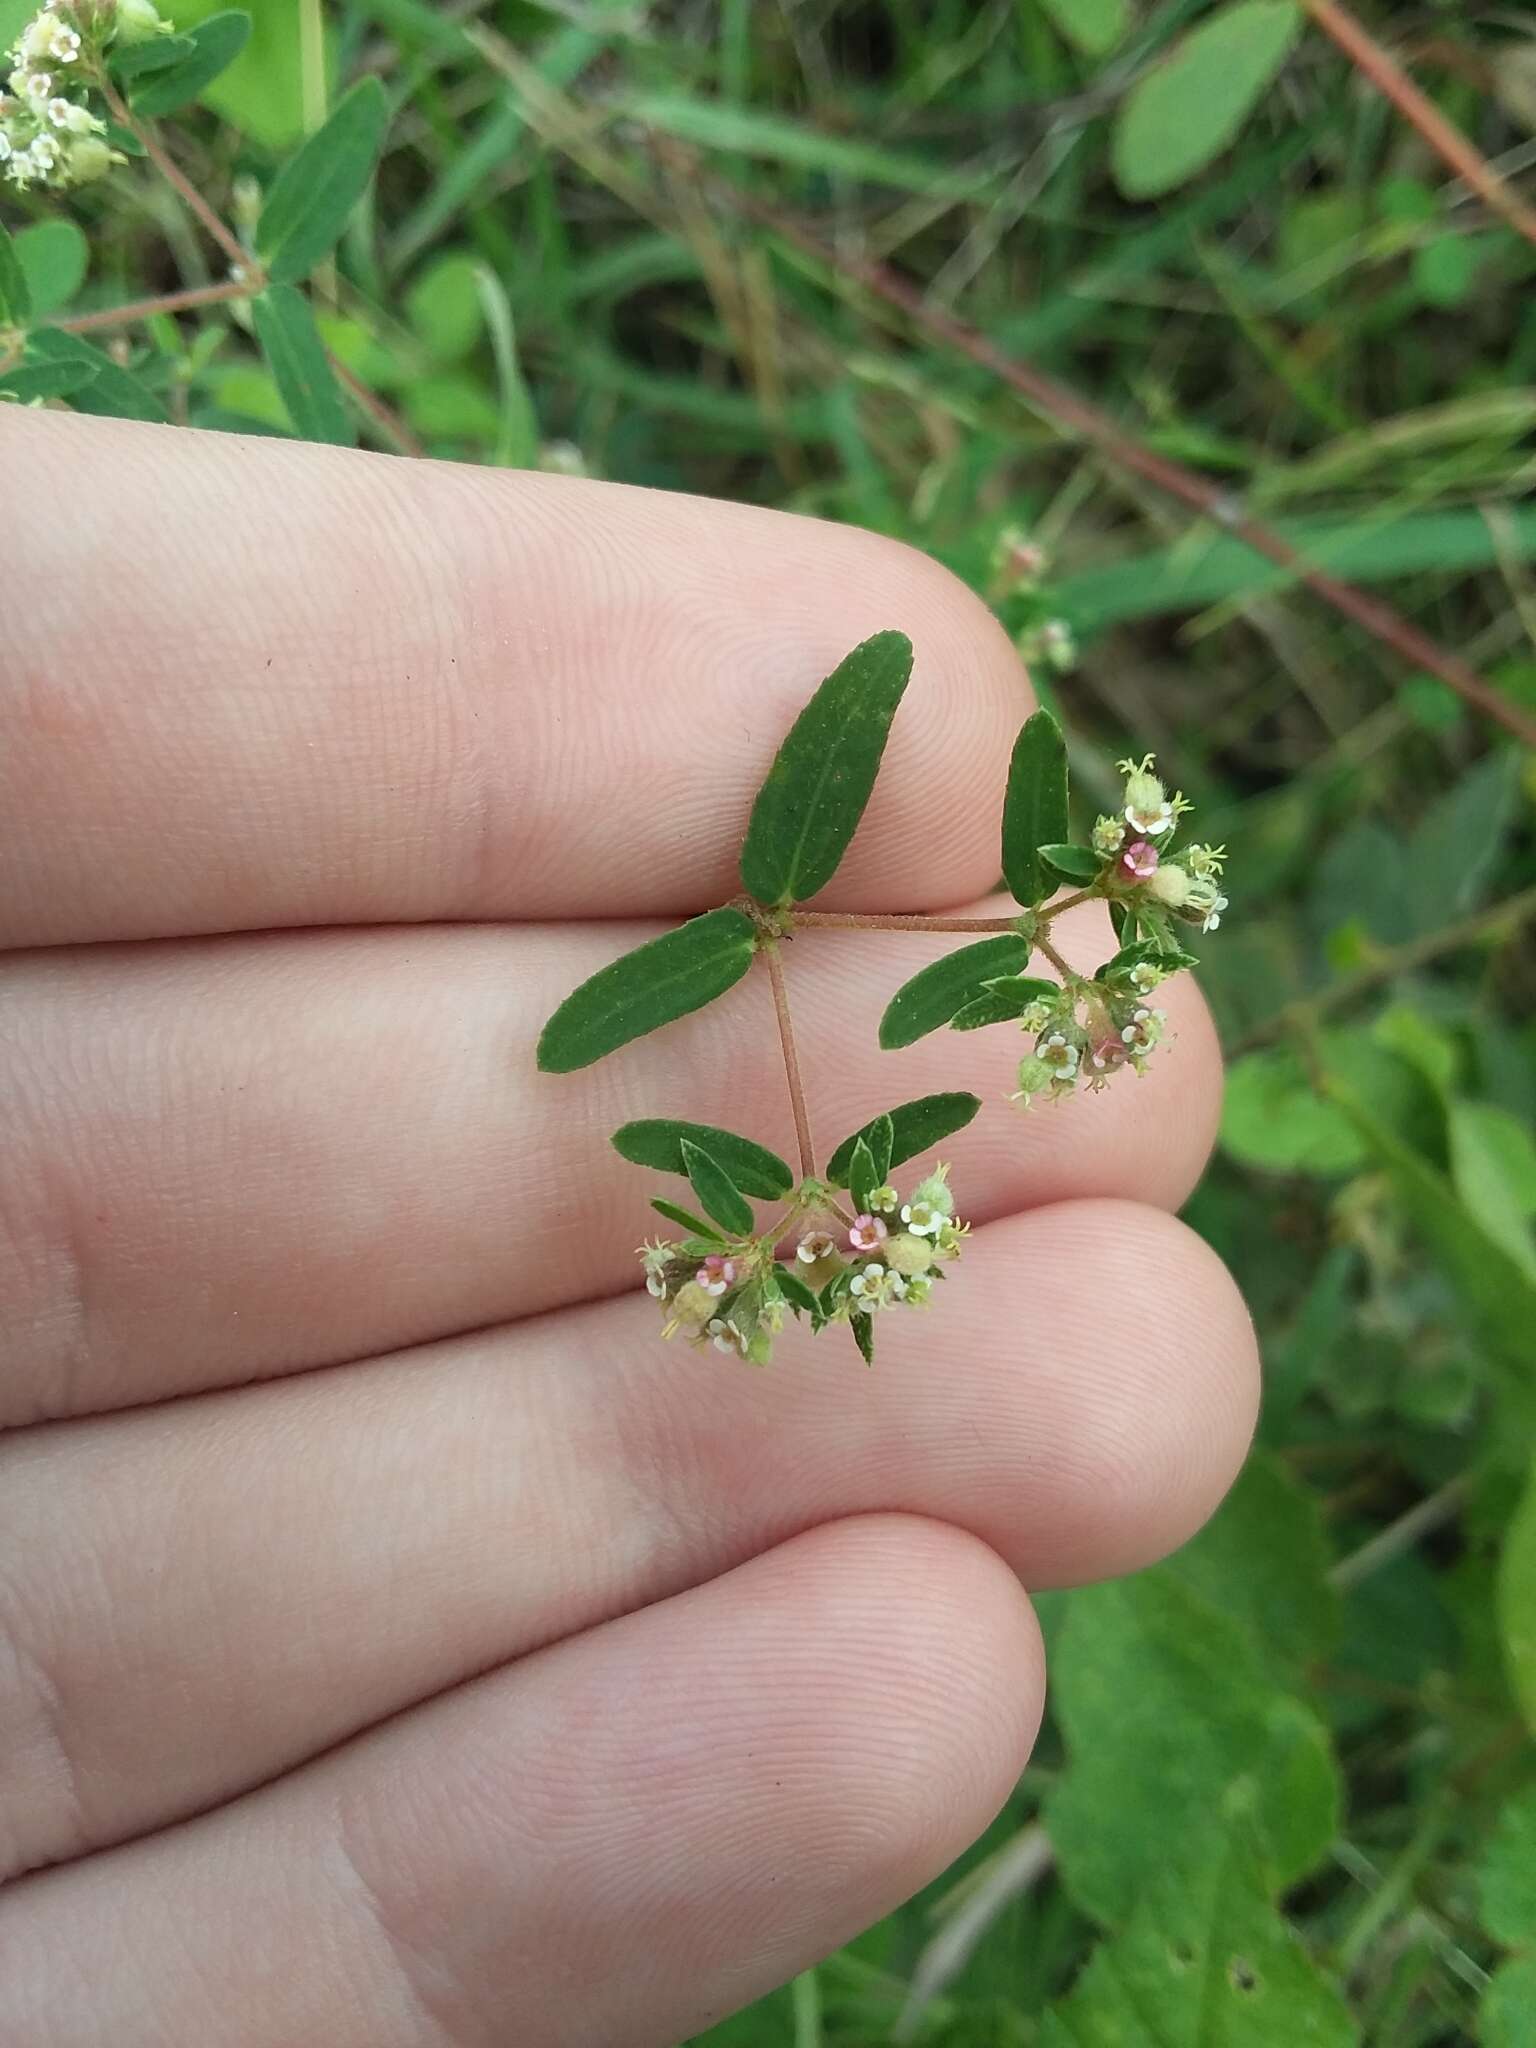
(915, 1126)
(815, 793)
(1034, 807)
(864, 1336)
(662, 980)
(932, 996)
(657, 1142)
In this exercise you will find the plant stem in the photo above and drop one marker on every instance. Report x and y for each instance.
(188, 193)
(1043, 945)
(791, 1060)
(879, 921)
(149, 309)
(388, 422)
(1443, 137)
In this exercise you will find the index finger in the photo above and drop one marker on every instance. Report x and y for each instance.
(253, 683)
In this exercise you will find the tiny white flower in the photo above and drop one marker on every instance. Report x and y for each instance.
(727, 1337)
(36, 86)
(921, 1218)
(1145, 976)
(1212, 919)
(1061, 1057)
(44, 153)
(816, 1244)
(5, 147)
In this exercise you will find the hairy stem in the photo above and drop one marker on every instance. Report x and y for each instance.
(185, 190)
(1043, 945)
(791, 1060)
(876, 921)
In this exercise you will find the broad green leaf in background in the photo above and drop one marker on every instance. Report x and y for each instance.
(156, 53)
(262, 92)
(1188, 108)
(1205, 1961)
(15, 298)
(1169, 1713)
(315, 192)
(443, 306)
(1275, 1117)
(1456, 847)
(1507, 1873)
(815, 793)
(1263, 1559)
(290, 341)
(53, 255)
(1506, 2017)
(662, 980)
(934, 995)
(211, 47)
(46, 380)
(1034, 806)
(1517, 1599)
(658, 1142)
(1493, 1167)
(914, 1127)
(1094, 26)
(113, 392)
(719, 1197)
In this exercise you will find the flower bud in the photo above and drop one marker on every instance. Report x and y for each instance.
(137, 21)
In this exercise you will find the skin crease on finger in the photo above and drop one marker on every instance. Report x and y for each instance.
(1079, 1404)
(804, 1742)
(335, 687)
(167, 1104)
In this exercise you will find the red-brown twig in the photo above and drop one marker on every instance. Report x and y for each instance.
(147, 309)
(186, 191)
(1416, 107)
(791, 1061)
(388, 423)
(1059, 403)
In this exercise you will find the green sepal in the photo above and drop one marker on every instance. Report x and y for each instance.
(1034, 806)
(718, 1194)
(931, 998)
(1077, 863)
(815, 793)
(915, 1126)
(657, 1142)
(1000, 1002)
(686, 1220)
(658, 982)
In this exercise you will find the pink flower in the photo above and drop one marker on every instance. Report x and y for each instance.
(716, 1274)
(1140, 859)
(868, 1234)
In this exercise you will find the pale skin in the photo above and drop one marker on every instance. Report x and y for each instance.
(401, 1646)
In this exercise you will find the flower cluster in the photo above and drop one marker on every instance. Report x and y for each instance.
(48, 134)
(737, 1296)
(1091, 1029)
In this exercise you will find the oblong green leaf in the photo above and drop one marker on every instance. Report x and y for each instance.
(658, 1142)
(664, 979)
(214, 45)
(815, 793)
(290, 341)
(1187, 109)
(686, 1220)
(861, 1175)
(316, 190)
(112, 393)
(155, 53)
(1002, 1001)
(880, 1136)
(864, 1336)
(45, 380)
(795, 1291)
(914, 1127)
(1145, 952)
(1034, 807)
(15, 298)
(53, 255)
(933, 996)
(718, 1194)
(1077, 863)
(1094, 26)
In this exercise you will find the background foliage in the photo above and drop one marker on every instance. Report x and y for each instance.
(1288, 1789)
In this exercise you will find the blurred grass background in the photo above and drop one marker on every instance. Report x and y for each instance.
(1294, 1764)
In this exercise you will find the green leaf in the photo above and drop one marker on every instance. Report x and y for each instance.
(795, 1291)
(809, 806)
(1276, 1118)
(317, 189)
(933, 996)
(1077, 863)
(1034, 806)
(1186, 110)
(46, 380)
(443, 306)
(686, 1220)
(1145, 952)
(154, 54)
(290, 341)
(1457, 846)
(1517, 1600)
(1205, 1961)
(662, 980)
(204, 52)
(861, 1176)
(1507, 1873)
(1506, 2018)
(54, 256)
(113, 392)
(718, 1194)
(15, 299)
(863, 1328)
(914, 1127)
(1003, 1000)
(1093, 26)
(1207, 1727)
(658, 1142)
(879, 1137)
(1493, 1167)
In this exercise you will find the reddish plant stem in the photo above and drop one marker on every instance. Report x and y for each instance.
(388, 422)
(1416, 107)
(1063, 967)
(1060, 403)
(185, 190)
(878, 921)
(149, 309)
(791, 1061)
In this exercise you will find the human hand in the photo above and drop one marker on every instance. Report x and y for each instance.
(399, 1646)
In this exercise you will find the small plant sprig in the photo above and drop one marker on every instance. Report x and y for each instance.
(861, 1248)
